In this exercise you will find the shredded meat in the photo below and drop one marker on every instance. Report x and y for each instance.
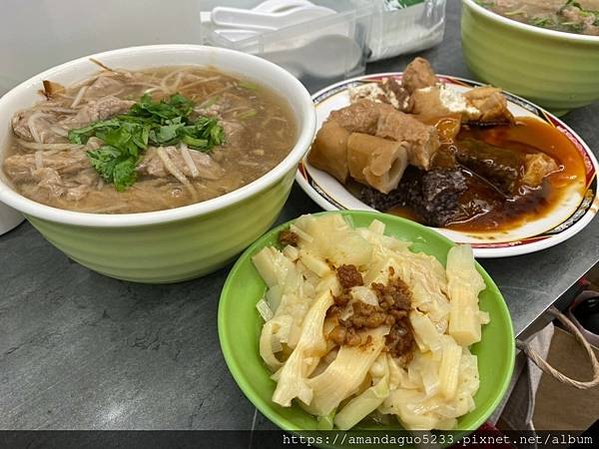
(395, 296)
(342, 299)
(577, 17)
(236, 133)
(349, 276)
(287, 237)
(41, 121)
(102, 86)
(49, 179)
(394, 301)
(400, 340)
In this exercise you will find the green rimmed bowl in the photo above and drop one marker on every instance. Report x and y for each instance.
(176, 244)
(239, 326)
(556, 70)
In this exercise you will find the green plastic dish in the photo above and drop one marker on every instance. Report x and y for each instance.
(239, 326)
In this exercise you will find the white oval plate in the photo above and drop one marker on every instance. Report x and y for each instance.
(577, 208)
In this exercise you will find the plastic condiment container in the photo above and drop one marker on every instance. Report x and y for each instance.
(318, 52)
(406, 26)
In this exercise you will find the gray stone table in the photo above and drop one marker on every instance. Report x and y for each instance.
(82, 351)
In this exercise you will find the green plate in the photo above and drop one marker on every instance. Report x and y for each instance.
(239, 326)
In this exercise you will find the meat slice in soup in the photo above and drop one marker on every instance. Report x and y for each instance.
(99, 109)
(134, 141)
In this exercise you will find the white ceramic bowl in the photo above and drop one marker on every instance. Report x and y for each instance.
(176, 244)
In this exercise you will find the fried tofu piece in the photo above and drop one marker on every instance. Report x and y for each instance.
(396, 91)
(418, 74)
(481, 105)
(491, 105)
(388, 90)
(432, 103)
(369, 91)
(329, 150)
(537, 167)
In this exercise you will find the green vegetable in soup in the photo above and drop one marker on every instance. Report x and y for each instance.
(248, 85)
(114, 166)
(573, 27)
(485, 3)
(247, 114)
(573, 3)
(148, 122)
(515, 12)
(543, 22)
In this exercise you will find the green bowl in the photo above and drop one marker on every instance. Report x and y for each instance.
(172, 251)
(175, 244)
(239, 326)
(557, 70)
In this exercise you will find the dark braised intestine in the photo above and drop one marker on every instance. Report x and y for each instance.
(434, 195)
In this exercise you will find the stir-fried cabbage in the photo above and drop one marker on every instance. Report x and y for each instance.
(293, 378)
(342, 384)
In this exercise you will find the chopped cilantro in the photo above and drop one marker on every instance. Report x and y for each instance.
(543, 22)
(148, 122)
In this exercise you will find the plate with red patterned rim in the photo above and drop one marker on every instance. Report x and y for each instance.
(574, 210)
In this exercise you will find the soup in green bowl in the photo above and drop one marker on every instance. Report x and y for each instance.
(570, 16)
(547, 53)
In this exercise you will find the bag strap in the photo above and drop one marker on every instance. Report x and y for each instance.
(548, 369)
